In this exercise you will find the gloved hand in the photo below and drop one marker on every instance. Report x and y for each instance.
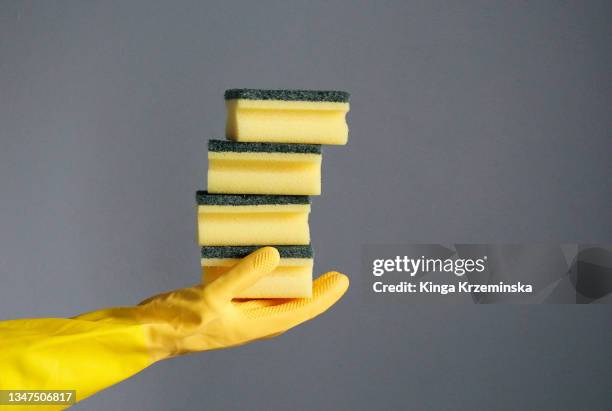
(206, 317)
(95, 350)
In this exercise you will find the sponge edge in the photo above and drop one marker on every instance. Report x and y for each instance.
(290, 116)
(291, 279)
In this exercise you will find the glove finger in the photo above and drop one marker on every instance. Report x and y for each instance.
(277, 318)
(244, 274)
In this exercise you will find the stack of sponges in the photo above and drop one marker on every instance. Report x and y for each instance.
(260, 180)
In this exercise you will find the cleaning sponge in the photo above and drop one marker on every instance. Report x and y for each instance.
(229, 219)
(264, 168)
(287, 116)
(291, 279)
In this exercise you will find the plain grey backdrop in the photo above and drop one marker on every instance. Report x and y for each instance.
(479, 121)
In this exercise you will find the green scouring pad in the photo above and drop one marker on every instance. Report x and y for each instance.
(285, 251)
(288, 95)
(204, 198)
(222, 146)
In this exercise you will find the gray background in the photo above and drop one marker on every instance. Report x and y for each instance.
(473, 122)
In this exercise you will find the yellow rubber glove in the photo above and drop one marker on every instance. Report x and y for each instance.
(95, 350)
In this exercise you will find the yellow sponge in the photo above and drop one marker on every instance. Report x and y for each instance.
(291, 279)
(226, 219)
(264, 168)
(287, 116)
